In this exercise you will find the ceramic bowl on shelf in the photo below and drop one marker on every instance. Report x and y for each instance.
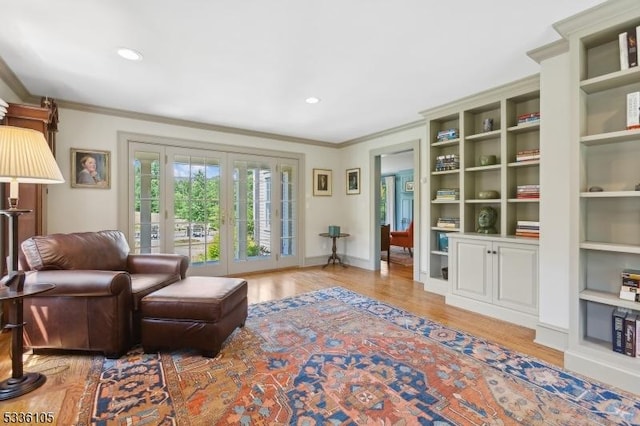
(486, 195)
(488, 160)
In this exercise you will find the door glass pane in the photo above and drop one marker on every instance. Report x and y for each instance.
(196, 184)
(147, 202)
(252, 210)
(288, 209)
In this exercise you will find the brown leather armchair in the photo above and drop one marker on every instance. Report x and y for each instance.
(98, 287)
(403, 238)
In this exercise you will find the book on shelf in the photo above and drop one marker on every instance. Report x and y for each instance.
(448, 222)
(624, 56)
(631, 273)
(633, 110)
(629, 293)
(447, 162)
(529, 117)
(528, 154)
(527, 234)
(448, 134)
(617, 329)
(448, 194)
(528, 223)
(630, 334)
(628, 45)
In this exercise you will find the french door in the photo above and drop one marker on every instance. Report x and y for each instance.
(229, 213)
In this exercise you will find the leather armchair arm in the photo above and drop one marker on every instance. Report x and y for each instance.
(82, 282)
(158, 264)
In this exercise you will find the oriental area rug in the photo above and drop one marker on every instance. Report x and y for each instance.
(334, 357)
(398, 255)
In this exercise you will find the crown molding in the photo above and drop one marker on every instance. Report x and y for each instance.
(187, 123)
(548, 51)
(604, 15)
(526, 84)
(14, 83)
(382, 133)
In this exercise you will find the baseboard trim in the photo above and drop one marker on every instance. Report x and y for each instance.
(552, 336)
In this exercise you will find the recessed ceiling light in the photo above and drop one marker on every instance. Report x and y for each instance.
(312, 100)
(130, 54)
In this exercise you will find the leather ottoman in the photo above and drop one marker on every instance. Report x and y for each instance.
(196, 312)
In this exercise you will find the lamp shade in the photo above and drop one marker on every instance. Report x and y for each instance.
(25, 157)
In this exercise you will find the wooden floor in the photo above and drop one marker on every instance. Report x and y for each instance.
(392, 284)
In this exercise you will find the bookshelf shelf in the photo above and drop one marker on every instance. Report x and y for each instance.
(612, 247)
(483, 168)
(610, 194)
(483, 201)
(530, 163)
(525, 127)
(449, 142)
(619, 136)
(610, 81)
(523, 200)
(437, 201)
(445, 172)
(484, 136)
(609, 299)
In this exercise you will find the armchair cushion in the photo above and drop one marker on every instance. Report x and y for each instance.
(103, 250)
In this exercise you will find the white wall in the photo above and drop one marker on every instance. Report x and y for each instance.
(555, 219)
(357, 210)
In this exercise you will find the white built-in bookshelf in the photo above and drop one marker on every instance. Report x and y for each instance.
(605, 155)
(505, 140)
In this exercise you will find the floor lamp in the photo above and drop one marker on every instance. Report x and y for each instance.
(25, 157)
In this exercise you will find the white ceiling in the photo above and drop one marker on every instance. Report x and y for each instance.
(250, 64)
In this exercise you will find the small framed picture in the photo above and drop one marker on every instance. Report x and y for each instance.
(90, 168)
(322, 182)
(353, 181)
(408, 186)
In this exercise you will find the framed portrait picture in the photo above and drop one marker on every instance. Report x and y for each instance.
(353, 181)
(90, 168)
(408, 186)
(322, 182)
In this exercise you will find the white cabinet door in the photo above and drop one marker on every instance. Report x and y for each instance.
(516, 276)
(472, 269)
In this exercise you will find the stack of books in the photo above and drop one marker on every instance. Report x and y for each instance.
(528, 228)
(528, 155)
(529, 117)
(445, 135)
(628, 43)
(448, 194)
(447, 162)
(630, 285)
(528, 191)
(448, 222)
(626, 331)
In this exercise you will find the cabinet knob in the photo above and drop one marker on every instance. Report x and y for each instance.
(488, 251)
(494, 252)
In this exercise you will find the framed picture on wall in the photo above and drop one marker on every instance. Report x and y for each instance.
(353, 181)
(408, 186)
(90, 168)
(322, 182)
